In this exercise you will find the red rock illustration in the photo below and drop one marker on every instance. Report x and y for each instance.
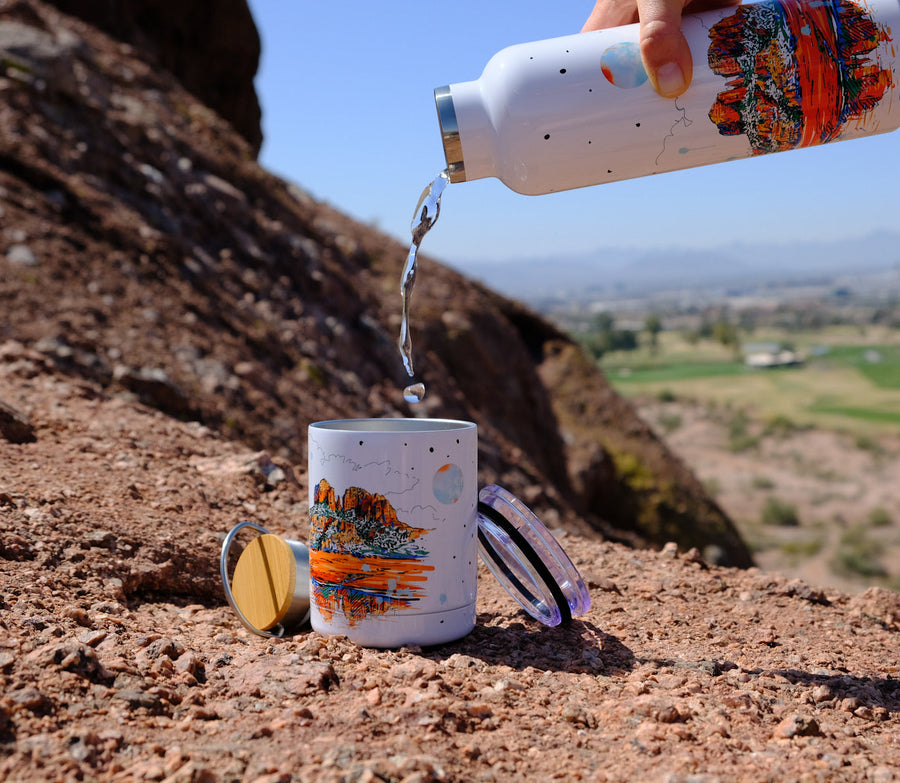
(798, 72)
(363, 559)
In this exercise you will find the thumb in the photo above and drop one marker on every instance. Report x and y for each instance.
(664, 49)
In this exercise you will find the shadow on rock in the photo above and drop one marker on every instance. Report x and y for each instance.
(866, 697)
(577, 647)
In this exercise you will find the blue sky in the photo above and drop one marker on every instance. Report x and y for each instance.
(348, 115)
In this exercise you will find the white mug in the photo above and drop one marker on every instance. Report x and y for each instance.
(393, 529)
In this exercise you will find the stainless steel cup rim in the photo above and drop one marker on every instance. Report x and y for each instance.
(388, 425)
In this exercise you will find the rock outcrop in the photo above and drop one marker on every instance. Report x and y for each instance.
(213, 49)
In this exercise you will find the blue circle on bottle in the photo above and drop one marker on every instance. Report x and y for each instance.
(622, 66)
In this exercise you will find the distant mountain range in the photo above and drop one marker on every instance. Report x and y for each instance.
(627, 272)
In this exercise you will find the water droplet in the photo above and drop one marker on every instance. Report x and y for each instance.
(414, 393)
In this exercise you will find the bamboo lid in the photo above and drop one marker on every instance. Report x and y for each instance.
(264, 580)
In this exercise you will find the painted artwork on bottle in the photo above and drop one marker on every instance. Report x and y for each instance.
(367, 561)
(797, 74)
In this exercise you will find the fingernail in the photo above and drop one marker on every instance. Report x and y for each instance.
(670, 80)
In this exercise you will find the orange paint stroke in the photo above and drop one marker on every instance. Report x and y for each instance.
(818, 70)
(360, 587)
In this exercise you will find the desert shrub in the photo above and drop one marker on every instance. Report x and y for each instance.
(670, 422)
(739, 437)
(880, 517)
(762, 482)
(857, 555)
(778, 512)
(635, 472)
(866, 443)
(781, 426)
(803, 549)
(712, 486)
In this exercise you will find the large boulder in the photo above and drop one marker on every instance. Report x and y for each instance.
(212, 48)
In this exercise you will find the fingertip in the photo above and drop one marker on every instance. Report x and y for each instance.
(667, 60)
(664, 49)
(670, 80)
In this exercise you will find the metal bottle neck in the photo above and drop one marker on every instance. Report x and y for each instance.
(446, 112)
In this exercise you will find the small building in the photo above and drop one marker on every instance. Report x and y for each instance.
(764, 356)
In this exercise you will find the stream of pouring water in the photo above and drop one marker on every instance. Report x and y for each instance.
(426, 215)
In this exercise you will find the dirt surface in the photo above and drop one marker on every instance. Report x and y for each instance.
(844, 490)
(119, 659)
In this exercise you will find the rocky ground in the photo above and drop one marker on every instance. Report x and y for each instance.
(119, 659)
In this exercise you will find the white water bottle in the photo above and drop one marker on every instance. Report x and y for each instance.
(768, 76)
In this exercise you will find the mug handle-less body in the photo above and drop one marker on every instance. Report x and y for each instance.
(393, 551)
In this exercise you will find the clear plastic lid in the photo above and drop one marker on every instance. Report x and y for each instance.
(527, 560)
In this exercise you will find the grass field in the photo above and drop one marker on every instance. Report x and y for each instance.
(850, 380)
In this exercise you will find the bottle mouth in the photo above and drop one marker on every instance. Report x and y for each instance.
(446, 112)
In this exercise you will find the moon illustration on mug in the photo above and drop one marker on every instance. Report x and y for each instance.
(448, 483)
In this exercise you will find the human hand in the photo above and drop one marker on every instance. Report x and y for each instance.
(664, 50)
